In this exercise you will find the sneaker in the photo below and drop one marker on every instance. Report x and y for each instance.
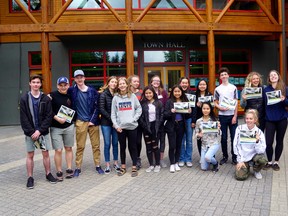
(177, 168)
(189, 164)
(30, 183)
(99, 170)
(172, 168)
(69, 173)
(234, 161)
(258, 175)
(223, 161)
(116, 167)
(215, 167)
(275, 167)
(181, 164)
(157, 168)
(138, 164)
(51, 178)
(107, 170)
(149, 169)
(59, 176)
(267, 166)
(77, 172)
(163, 164)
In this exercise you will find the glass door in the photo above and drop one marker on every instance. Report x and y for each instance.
(168, 75)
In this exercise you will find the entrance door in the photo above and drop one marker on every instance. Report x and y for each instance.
(168, 75)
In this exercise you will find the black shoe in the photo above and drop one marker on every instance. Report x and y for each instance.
(69, 173)
(267, 166)
(138, 164)
(59, 176)
(51, 178)
(223, 161)
(234, 161)
(30, 183)
(215, 167)
(275, 167)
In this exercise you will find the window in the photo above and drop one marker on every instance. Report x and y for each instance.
(99, 65)
(31, 5)
(246, 5)
(238, 62)
(164, 4)
(163, 56)
(35, 62)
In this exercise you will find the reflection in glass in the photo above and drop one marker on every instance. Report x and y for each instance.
(235, 56)
(217, 4)
(90, 71)
(33, 5)
(165, 4)
(87, 57)
(114, 70)
(163, 56)
(97, 84)
(173, 78)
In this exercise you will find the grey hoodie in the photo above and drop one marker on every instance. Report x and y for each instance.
(125, 111)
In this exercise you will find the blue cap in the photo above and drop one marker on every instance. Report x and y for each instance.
(62, 80)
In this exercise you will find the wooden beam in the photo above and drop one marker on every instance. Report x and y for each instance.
(225, 9)
(27, 12)
(129, 40)
(60, 12)
(266, 11)
(145, 11)
(211, 61)
(191, 8)
(209, 11)
(47, 85)
(113, 11)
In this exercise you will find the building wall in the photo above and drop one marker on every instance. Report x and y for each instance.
(15, 69)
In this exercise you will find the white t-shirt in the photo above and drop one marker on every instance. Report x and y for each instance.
(152, 112)
(229, 91)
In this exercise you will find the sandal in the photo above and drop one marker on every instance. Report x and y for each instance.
(121, 171)
(134, 172)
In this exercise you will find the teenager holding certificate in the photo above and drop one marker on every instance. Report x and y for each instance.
(254, 80)
(249, 146)
(225, 98)
(210, 140)
(175, 125)
(276, 118)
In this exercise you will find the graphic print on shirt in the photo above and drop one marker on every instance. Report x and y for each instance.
(123, 106)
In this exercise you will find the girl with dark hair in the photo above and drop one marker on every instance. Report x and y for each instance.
(162, 94)
(175, 126)
(210, 140)
(276, 119)
(151, 121)
(201, 91)
(187, 145)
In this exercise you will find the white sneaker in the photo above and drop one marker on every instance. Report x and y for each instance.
(258, 175)
(177, 168)
(149, 169)
(172, 168)
(163, 164)
(181, 163)
(189, 164)
(157, 169)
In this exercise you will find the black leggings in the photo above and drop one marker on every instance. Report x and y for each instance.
(139, 141)
(175, 141)
(151, 142)
(131, 135)
(278, 127)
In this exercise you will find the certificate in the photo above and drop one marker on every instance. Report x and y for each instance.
(255, 92)
(247, 137)
(181, 107)
(273, 97)
(191, 99)
(66, 112)
(228, 103)
(209, 127)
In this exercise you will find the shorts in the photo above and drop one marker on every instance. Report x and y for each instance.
(30, 143)
(62, 137)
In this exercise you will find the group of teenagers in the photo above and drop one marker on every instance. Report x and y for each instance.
(126, 113)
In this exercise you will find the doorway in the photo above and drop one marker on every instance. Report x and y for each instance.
(168, 75)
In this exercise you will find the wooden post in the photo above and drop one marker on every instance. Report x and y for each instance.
(211, 47)
(45, 50)
(129, 41)
(282, 41)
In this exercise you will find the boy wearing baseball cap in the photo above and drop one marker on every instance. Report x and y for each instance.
(62, 128)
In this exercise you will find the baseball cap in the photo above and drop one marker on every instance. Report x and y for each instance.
(78, 73)
(62, 80)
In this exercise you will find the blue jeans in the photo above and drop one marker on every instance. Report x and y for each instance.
(109, 132)
(226, 121)
(186, 150)
(207, 156)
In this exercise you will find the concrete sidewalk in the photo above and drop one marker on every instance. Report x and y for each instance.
(187, 192)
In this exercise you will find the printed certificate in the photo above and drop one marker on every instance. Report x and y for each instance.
(66, 112)
(273, 97)
(253, 92)
(209, 127)
(228, 103)
(191, 99)
(247, 137)
(181, 107)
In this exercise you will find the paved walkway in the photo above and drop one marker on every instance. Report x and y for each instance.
(188, 192)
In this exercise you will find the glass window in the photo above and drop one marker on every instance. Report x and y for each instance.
(31, 5)
(87, 57)
(91, 71)
(235, 56)
(244, 5)
(119, 70)
(116, 57)
(217, 4)
(163, 56)
(165, 4)
(85, 4)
